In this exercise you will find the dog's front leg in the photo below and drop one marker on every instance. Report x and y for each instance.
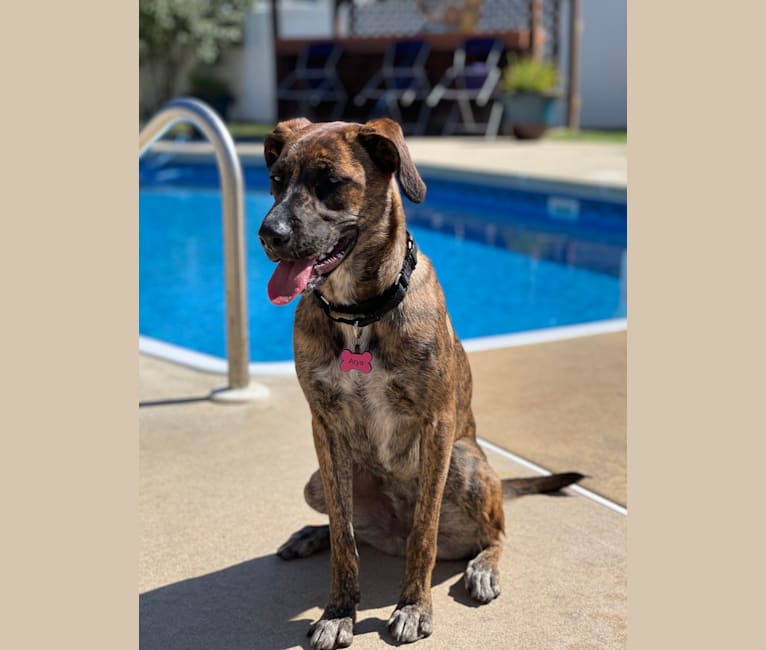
(412, 618)
(335, 628)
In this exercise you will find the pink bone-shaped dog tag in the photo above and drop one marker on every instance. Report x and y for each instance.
(351, 361)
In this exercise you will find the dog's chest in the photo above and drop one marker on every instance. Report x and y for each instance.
(380, 433)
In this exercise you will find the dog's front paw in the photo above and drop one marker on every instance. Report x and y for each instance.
(482, 581)
(330, 633)
(307, 541)
(409, 623)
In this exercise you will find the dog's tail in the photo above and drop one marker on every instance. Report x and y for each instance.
(515, 487)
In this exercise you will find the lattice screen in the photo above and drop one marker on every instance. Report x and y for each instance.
(551, 24)
(406, 17)
(387, 18)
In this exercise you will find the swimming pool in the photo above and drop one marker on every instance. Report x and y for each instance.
(509, 260)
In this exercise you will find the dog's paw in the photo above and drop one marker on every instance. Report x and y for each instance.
(409, 623)
(330, 633)
(482, 581)
(307, 541)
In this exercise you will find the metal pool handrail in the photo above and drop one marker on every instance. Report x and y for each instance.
(199, 114)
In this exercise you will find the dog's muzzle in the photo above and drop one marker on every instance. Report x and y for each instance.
(275, 236)
(294, 276)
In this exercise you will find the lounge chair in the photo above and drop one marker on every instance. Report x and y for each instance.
(315, 80)
(471, 84)
(400, 82)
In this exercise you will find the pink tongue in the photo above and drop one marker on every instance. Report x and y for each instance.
(289, 279)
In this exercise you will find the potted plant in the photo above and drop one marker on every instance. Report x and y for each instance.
(212, 90)
(530, 92)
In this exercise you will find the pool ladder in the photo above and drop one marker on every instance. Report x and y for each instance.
(184, 109)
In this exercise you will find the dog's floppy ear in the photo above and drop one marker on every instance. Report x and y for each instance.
(275, 141)
(384, 141)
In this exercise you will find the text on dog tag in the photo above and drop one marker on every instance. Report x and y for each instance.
(352, 361)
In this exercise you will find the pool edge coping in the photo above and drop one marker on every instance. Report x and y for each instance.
(208, 363)
(513, 180)
(527, 183)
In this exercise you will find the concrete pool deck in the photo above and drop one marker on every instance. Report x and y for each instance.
(220, 488)
(600, 165)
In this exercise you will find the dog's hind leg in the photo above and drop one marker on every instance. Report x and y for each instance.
(314, 493)
(309, 539)
(375, 521)
(472, 519)
(482, 577)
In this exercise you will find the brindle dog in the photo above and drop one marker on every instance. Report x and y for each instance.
(399, 466)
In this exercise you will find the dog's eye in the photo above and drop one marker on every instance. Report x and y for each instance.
(327, 186)
(276, 182)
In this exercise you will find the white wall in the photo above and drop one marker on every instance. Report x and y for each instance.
(255, 78)
(254, 84)
(603, 62)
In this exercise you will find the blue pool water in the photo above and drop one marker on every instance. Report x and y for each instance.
(509, 261)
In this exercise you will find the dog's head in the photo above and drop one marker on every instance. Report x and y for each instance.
(331, 183)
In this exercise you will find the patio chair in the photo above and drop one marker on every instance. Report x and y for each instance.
(401, 81)
(315, 80)
(471, 84)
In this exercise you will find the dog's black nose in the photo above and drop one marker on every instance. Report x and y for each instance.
(275, 234)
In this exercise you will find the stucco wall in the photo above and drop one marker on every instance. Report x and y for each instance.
(603, 62)
(255, 77)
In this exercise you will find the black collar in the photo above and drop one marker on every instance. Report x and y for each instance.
(376, 307)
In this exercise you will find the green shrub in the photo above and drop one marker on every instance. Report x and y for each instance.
(206, 83)
(529, 75)
(175, 33)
